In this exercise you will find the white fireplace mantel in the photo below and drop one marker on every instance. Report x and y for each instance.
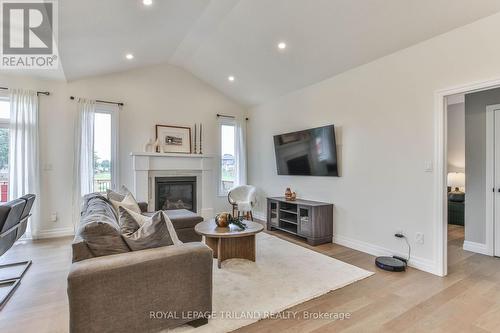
(147, 166)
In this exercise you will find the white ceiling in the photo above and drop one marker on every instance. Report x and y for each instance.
(214, 39)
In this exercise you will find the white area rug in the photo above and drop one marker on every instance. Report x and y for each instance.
(284, 275)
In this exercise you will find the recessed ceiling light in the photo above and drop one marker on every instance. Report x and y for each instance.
(281, 45)
(231, 78)
(147, 2)
(129, 56)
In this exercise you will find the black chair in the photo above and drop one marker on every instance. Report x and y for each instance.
(30, 200)
(14, 217)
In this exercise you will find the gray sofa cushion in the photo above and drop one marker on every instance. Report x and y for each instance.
(99, 228)
(141, 232)
(181, 218)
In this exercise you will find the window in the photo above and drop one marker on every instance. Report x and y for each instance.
(105, 131)
(4, 148)
(228, 156)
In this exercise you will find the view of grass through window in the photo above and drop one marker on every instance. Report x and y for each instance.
(102, 152)
(4, 150)
(228, 154)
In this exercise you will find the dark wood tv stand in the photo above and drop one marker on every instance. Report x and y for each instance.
(312, 220)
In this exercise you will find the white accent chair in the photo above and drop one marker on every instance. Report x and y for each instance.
(243, 199)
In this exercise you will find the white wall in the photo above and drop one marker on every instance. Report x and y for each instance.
(385, 113)
(456, 137)
(160, 94)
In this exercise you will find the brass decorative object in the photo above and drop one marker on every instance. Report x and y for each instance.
(222, 220)
(289, 195)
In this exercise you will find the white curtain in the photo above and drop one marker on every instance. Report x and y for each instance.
(24, 162)
(83, 161)
(241, 151)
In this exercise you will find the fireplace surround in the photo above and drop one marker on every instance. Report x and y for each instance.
(149, 166)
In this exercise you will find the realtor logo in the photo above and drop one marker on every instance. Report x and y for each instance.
(29, 34)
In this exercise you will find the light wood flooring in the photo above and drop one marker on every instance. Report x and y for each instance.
(467, 300)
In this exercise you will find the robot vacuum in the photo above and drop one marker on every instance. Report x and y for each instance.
(391, 264)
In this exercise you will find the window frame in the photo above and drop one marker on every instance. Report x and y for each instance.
(113, 110)
(224, 121)
(4, 122)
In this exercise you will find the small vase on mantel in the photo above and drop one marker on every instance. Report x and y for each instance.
(148, 147)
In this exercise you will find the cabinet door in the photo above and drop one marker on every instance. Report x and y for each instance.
(272, 213)
(305, 221)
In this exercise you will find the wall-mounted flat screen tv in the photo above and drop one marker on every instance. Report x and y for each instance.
(312, 152)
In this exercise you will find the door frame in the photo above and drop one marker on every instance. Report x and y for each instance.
(490, 179)
(441, 158)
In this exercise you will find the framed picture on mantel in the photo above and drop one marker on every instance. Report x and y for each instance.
(174, 139)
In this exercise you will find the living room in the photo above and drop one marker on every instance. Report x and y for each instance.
(199, 94)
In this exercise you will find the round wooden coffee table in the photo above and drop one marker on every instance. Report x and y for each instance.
(231, 242)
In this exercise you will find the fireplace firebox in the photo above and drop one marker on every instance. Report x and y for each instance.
(175, 193)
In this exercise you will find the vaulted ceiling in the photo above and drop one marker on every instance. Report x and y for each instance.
(214, 39)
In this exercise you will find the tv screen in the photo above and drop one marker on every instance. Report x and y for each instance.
(311, 152)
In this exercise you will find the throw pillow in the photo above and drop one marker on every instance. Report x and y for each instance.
(142, 232)
(171, 229)
(117, 195)
(128, 202)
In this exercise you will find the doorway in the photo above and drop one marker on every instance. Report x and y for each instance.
(478, 234)
(456, 165)
(493, 179)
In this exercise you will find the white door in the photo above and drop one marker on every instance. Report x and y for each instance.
(496, 181)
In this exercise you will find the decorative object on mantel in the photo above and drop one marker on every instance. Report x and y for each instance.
(223, 220)
(173, 139)
(195, 150)
(156, 146)
(149, 146)
(201, 139)
(289, 195)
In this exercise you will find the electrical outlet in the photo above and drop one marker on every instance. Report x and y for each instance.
(419, 238)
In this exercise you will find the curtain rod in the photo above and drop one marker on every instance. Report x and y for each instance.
(100, 101)
(226, 116)
(46, 93)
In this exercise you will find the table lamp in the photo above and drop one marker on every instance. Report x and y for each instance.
(456, 180)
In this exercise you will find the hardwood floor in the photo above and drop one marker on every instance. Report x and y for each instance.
(467, 300)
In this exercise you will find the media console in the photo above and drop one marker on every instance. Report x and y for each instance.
(312, 220)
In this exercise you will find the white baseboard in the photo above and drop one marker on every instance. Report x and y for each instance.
(260, 216)
(54, 233)
(375, 250)
(476, 247)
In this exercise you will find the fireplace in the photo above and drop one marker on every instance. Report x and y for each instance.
(175, 193)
